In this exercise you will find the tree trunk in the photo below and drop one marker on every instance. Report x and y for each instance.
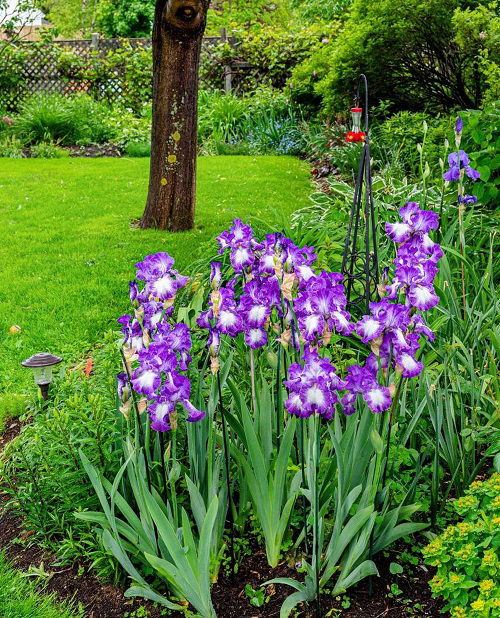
(177, 36)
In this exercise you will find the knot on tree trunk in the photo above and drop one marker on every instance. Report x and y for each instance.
(185, 16)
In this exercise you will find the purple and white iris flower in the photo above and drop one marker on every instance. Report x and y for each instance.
(160, 349)
(363, 381)
(320, 307)
(416, 257)
(313, 387)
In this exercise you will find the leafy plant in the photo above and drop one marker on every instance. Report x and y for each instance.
(257, 597)
(11, 147)
(467, 554)
(182, 562)
(53, 118)
(45, 150)
(138, 149)
(273, 495)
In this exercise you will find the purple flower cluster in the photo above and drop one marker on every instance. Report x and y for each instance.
(160, 350)
(417, 257)
(313, 387)
(320, 308)
(458, 163)
(393, 329)
(279, 292)
(266, 273)
(275, 295)
(277, 255)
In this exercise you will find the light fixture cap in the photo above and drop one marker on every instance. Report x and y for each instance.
(41, 360)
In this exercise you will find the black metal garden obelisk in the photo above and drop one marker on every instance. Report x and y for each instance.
(360, 259)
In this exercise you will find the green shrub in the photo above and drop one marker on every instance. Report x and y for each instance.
(321, 9)
(262, 123)
(273, 50)
(221, 115)
(127, 128)
(50, 481)
(394, 55)
(138, 149)
(69, 121)
(467, 554)
(126, 18)
(398, 135)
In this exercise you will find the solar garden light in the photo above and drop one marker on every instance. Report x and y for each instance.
(42, 365)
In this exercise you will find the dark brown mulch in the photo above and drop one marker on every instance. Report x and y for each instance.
(100, 600)
(231, 601)
(107, 150)
(11, 431)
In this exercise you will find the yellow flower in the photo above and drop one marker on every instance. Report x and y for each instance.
(464, 528)
(455, 579)
(476, 484)
(478, 606)
(436, 582)
(458, 612)
(496, 503)
(489, 557)
(487, 585)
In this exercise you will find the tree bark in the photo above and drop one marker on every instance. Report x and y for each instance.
(177, 35)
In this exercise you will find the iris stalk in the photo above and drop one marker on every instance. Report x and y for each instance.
(229, 494)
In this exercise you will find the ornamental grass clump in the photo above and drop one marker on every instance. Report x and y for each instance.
(255, 365)
(467, 554)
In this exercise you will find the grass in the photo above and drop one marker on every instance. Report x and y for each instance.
(11, 406)
(67, 249)
(19, 598)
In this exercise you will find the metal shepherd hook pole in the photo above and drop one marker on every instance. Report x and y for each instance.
(360, 259)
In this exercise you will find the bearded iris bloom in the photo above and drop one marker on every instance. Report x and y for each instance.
(363, 381)
(458, 161)
(313, 387)
(320, 307)
(416, 257)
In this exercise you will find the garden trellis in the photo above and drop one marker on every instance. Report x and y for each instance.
(360, 259)
(81, 66)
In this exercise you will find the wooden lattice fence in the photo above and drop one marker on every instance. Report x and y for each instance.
(41, 68)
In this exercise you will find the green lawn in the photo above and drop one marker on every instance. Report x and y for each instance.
(67, 249)
(19, 598)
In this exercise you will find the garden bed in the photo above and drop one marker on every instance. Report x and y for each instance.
(410, 597)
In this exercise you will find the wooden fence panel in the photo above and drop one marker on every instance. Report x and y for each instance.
(41, 71)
